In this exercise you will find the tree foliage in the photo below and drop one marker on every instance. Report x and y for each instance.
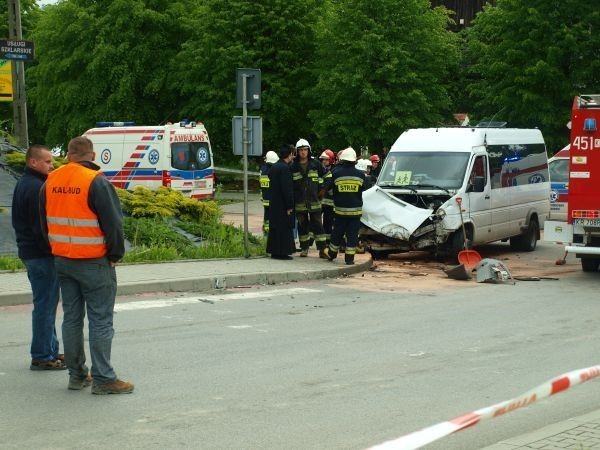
(276, 36)
(104, 60)
(383, 66)
(527, 60)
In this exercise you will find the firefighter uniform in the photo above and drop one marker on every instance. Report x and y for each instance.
(264, 196)
(327, 207)
(348, 185)
(307, 182)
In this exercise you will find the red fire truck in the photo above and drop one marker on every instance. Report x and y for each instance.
(582, 230)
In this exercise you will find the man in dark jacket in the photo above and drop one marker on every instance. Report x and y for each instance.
(280, 241)
(37, 257)
(308, 180)
(348, 185)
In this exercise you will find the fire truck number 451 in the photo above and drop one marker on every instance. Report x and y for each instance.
(586, 143)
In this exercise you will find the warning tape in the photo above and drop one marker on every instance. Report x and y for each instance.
(430, 434)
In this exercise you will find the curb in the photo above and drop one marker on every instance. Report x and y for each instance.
(208, 283)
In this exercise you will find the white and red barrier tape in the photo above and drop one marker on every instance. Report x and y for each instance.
(430, 434)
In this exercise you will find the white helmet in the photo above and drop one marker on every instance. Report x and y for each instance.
(348, 155)
(302, 143)
(271, 157)
(361, 164)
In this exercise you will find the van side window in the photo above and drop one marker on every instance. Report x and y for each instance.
(517, 164)
(479, 168)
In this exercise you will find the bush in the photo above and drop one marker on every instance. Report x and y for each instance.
(11, 263)
(165, 202)
(16, 161)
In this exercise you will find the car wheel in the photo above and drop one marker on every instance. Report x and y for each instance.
(527, 242)
(589, 264)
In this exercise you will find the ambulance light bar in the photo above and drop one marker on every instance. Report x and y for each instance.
(114, 124)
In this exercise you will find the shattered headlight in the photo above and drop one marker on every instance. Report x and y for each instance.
(439, 215)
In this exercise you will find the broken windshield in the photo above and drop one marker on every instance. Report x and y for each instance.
(442, 170)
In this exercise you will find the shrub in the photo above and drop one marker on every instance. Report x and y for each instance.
(16, 161)
(11, 263)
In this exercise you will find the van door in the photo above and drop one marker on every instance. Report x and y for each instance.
(480, 202)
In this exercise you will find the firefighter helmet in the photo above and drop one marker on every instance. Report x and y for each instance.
(348, 154)
(327, 154)
(363, 164)
(302, 143)
(374, 158)
(271, 157)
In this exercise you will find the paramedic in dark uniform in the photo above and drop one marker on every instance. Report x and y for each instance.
(308, 174)
(348, 185)
(270, 159)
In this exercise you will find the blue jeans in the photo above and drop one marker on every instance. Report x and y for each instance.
(44, 286)
(88, 285)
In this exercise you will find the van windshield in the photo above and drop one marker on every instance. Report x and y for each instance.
(190, 155)
(445, 170)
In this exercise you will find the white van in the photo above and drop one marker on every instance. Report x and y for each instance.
(174, 155)
(499, 176)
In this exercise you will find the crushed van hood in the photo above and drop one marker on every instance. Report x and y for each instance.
(391, 216)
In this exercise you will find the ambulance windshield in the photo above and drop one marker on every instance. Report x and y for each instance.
(445, 170)
(190, 155)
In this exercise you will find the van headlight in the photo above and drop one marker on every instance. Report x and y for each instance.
(439, 214)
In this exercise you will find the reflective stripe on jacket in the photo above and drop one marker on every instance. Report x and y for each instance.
(307, 185)
(348, 186)
(73, 228)
(265, 194)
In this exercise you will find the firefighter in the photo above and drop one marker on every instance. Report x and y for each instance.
(308, 174)
(375, 169)
(270, 159)
(327, 159)
(348, 184)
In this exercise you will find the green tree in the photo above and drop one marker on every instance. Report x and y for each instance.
(276, 36)
(383, 66)
(106, 60)
(527, 60)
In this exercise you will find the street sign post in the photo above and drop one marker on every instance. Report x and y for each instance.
(16, 49)
(254, 138)
(247, 97)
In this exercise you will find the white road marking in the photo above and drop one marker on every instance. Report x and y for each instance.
(166, 302)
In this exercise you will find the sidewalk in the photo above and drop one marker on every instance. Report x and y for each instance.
(581, 433)
(201, 275)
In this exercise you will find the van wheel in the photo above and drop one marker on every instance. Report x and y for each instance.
(457, 243)
(589, 264)
(527, 242)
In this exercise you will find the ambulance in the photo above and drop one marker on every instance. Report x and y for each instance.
(582, 229)
(495, 180)
(178, 156)
(559, 184)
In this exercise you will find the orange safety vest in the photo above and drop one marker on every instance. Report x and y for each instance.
(73, 228)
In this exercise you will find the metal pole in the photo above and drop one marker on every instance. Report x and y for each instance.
(18, 73)
(245, 143)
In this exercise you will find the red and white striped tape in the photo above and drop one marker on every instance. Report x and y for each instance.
(430, 434)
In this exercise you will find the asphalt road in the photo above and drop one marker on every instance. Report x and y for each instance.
(341, 364)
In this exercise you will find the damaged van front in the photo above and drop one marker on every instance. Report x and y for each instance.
(499, 176)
